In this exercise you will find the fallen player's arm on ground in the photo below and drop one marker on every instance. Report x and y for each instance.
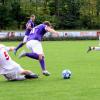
(10, 48)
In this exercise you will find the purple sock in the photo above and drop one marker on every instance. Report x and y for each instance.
(42, 63)
(19, 46)
(36, 56)
(32, 55)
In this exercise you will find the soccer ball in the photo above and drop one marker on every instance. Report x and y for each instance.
(66, 74)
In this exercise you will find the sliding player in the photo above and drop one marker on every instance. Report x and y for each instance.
(30, 24)
(10, 69)
(34, 44)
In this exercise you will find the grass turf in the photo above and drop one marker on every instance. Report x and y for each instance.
(83, 85)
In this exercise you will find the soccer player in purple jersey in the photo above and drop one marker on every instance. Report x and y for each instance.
(29, 25)
(34, 44)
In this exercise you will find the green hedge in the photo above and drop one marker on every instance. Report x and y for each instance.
(52, 38)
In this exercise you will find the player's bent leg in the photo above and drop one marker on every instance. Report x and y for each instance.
(13, 76)
(19, 74)
(33, 55)
(22, 54)
(29, 75)
(30, 55)
(42, 63)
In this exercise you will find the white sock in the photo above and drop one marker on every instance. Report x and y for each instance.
(95, 48)
(21, 77)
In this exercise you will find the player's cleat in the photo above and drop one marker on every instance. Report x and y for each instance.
(22, 54)
(46, 73)
(31, 76)
(89, 49)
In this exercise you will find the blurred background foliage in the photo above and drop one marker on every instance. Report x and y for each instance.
(63, 14)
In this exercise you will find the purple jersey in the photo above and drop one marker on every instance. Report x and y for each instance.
(37, 33)
(32, 25)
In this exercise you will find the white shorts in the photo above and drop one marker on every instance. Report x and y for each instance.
(35, 46)
(14, 74)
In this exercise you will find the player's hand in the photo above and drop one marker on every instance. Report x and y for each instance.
(15, 51)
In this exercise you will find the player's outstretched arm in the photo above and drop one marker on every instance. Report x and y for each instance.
(51, 30)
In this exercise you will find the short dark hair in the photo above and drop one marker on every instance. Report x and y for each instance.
(47, 23)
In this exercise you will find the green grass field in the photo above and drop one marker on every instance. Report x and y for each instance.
(83, 85)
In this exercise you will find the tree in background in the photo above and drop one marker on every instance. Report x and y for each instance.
(16, 13)
(5, 19)
(2, 1)
(66, 11)
(64, 14)
(71, 14)
(89, 18)
(98, 14)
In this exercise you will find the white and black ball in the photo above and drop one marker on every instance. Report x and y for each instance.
(66, 74)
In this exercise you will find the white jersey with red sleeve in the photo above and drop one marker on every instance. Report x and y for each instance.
(6, 63)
